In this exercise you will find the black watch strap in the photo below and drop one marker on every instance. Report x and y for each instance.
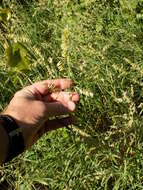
(15, 136)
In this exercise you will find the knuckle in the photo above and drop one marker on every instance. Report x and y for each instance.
(17, 93)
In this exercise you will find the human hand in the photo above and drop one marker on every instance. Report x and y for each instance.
(32, 107)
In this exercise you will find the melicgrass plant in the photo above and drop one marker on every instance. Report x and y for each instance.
(99, 45)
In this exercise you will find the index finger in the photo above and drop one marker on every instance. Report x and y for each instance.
(58, 83)
(44, 87)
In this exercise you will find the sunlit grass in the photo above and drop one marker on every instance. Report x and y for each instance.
(99, 45)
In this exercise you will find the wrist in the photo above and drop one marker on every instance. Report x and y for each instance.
(15, 116)
(14, 138)
(23, 123)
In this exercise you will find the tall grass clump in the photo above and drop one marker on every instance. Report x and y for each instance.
(97, 43)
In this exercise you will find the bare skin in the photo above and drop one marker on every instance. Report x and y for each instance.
(32, 107)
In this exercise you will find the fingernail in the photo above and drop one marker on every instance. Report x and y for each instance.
(71, 106)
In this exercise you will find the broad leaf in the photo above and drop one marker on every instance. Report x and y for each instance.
(16, 56)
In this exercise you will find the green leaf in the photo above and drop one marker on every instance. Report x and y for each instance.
(16, 56)
(41, 181)
(5, 15)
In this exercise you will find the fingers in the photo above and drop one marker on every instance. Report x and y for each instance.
(57, 108)
(60, 103)
(43, 87)
(63, 97)
(59, 83)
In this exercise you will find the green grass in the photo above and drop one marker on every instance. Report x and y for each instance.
(99, 44)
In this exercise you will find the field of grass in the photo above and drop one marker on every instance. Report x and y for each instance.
(99, 44)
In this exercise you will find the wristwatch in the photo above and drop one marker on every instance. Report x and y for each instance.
(15, 136)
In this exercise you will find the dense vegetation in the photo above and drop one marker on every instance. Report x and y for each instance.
(99, 44)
